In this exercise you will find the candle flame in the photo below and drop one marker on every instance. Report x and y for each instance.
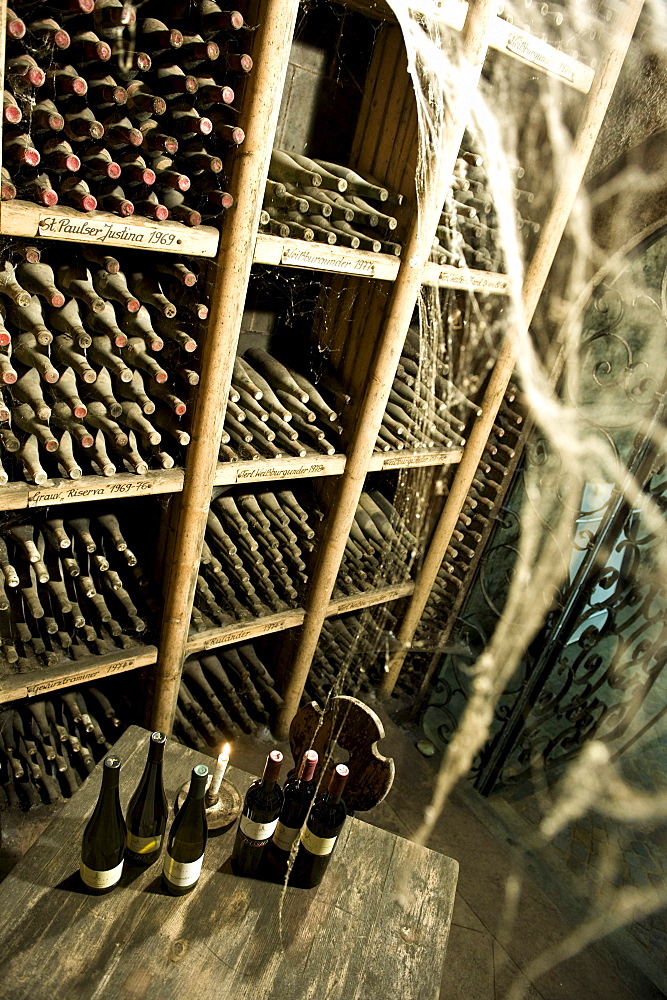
(224, 754)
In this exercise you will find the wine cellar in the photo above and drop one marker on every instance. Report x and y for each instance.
(290, 297)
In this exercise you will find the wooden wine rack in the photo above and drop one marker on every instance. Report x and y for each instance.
(385, 141)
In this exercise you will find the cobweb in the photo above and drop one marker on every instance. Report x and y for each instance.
(522, 125)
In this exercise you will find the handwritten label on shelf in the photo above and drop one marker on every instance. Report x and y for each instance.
(530, 50)
(462, 277)
(327, 259)
(67, 493)
(365, 600)
(79, 677)
(413, 461)
(304, 471)
(104, 231)
(256, 628)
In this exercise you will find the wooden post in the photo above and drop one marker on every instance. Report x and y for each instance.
(536, 276)
(231, 275)
(399, 312)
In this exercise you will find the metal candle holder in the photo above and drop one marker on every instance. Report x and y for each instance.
(221, 809)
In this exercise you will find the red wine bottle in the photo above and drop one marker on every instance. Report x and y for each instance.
(39, 189)
(24, 69)
(11, 112)
(156, 36)
(299, 791)
(319, 836)
(147, 812)
(187, 838)
(104, 92)
(49, 32)
(14, 26)
(47, 118)
(65, 80)
(152, 208)
(261, 809)
(103, 844)
(209, 93)
(59, 157)
(215, 19)
(18, 147)
(98, 164)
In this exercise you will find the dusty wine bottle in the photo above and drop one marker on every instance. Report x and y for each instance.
(103, 842)
(262, 806)
(147, 812)
(319, 836)
(187, 838)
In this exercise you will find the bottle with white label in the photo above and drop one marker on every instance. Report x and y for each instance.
(299, 791)
(147, 812)
(103, 844)
(319, 835)
(187, 838)
(261, 809)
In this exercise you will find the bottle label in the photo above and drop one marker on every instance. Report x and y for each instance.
(143, 845)
(317, 845)
(257, 831)
(285, 836)
(100, 880)
(182, 873)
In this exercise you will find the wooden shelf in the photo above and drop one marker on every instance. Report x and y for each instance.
(226, 635)
(321, 257)
(23, 218)
(361, 263)
(276, 469)
(504, 37)
(73, 672)
(15, 496)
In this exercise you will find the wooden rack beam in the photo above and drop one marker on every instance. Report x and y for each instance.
(230, 276)
(536, 276)
(399, 312)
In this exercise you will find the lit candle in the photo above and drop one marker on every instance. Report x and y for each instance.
(219, 773)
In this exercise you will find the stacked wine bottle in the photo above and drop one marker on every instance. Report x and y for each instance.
(315, 200)
(350, 655)
(253, 558)
(104, 380)
(420, 411)
(274, 410)
(477, 516)
(48, 746)
(69, 588)
(223, 693)
(104, 109)
(380, 549)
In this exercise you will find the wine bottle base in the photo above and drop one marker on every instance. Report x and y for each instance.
(98, 892)
(177, 890)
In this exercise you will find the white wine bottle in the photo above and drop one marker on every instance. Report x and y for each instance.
(148, 809)
(104, 838)
(187, 838)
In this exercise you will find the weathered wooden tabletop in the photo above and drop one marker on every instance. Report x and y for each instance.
(375, 929)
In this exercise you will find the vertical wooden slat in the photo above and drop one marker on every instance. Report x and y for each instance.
(399, 312)
(231, 274)
(536, 276)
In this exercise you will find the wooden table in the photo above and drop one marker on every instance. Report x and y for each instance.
(375, 929)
